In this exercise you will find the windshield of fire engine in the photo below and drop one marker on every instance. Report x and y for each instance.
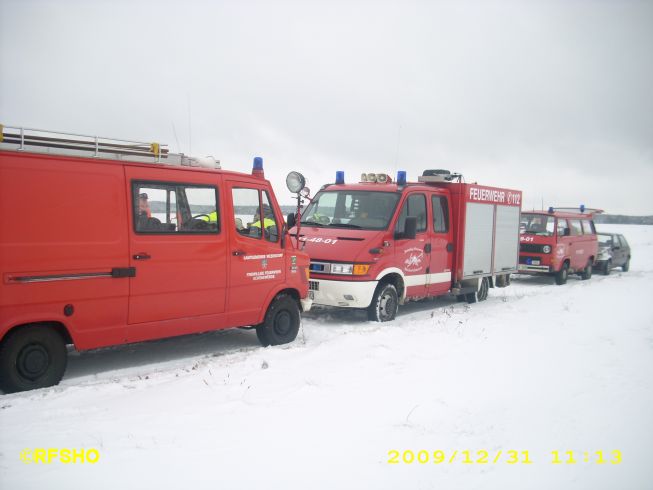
(537, 224)
(365, 210)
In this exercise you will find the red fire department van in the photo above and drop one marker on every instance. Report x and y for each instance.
(558, 242)
(106, 242)
(377, 244)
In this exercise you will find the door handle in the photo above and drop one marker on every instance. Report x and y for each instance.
(142, 256)
(427, 248)
(237, 253)
(449, 247)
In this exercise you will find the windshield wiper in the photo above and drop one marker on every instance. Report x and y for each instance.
(345, 225)
(311, 223)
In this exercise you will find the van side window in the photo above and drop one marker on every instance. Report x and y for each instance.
(415, 205)
(175, 208)
(576, 228)
(440, 214)
(588, 227)
(247, 208)
(562, 224)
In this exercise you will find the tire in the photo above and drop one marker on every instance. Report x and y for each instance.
(281, 322)
(562, 274)
(607, 266)
(626, 265)
(481, 294)
(385, 303)
(32, 357)
(587, 271)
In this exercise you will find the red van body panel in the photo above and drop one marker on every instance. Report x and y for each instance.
(70, 253)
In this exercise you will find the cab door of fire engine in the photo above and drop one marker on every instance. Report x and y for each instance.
(412, 254)
(177, 251)
(257, 261)
(441, 240)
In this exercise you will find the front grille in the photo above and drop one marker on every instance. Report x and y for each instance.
(531, 248)
(313, 285)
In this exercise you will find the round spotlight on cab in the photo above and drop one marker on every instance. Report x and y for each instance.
(295, 182)
(371, 177)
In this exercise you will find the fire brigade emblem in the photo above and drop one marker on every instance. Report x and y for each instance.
(264, 263)
(414, 258)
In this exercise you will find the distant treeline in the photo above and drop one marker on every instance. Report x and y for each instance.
(621, 219)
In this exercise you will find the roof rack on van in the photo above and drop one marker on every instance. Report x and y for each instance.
(72, 144)
(581, 209)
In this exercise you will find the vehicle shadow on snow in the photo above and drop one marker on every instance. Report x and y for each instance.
(129, 356)
(338, 316)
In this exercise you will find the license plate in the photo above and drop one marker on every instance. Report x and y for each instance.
(536, 262)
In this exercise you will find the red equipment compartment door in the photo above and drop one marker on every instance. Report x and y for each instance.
(412, 254)
(257, 260)
(441, 240)
(180, 261)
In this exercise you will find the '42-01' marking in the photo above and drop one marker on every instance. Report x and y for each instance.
(319, 239)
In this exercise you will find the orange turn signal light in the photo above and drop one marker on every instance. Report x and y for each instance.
(361, 269)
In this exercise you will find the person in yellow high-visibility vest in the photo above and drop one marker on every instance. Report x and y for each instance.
(268, 222)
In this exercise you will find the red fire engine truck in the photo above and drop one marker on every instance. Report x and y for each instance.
(105, 242)
(558, 242)
(377, 244)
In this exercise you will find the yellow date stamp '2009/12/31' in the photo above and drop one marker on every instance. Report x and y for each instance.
(423, 456)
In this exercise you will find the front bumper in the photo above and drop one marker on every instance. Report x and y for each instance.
(307, 303)
(347, 294)
(533, 269)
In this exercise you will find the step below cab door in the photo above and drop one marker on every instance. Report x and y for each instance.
(177, 250)
(257, 260)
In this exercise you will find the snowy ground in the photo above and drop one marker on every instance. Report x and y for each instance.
(535, 368)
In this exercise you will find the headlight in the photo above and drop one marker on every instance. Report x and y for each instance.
(546, 249)
(342, 268)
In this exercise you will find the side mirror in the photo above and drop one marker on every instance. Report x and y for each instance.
(410, 229)
(291, 220)
(567, 232)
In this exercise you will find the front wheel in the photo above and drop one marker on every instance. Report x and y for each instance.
(32, 357)
(561, 275)
(626, 266)
(385, 304)
(281, 322)
(481, 294)
(607, 266)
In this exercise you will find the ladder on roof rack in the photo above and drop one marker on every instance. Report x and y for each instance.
(581, 209)
(71, 144)
(25, 139)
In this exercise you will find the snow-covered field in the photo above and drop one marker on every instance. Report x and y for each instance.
(536, 368)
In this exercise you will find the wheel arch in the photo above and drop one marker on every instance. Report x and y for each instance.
(395, 277)
(57, 326)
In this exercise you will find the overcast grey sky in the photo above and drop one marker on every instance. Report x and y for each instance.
(551, 97)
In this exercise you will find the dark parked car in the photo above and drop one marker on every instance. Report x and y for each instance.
(614, 251)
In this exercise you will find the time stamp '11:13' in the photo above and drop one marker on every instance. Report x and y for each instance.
(493, 457)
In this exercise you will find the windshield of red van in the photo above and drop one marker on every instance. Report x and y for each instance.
(365, 210)
(537, 224)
